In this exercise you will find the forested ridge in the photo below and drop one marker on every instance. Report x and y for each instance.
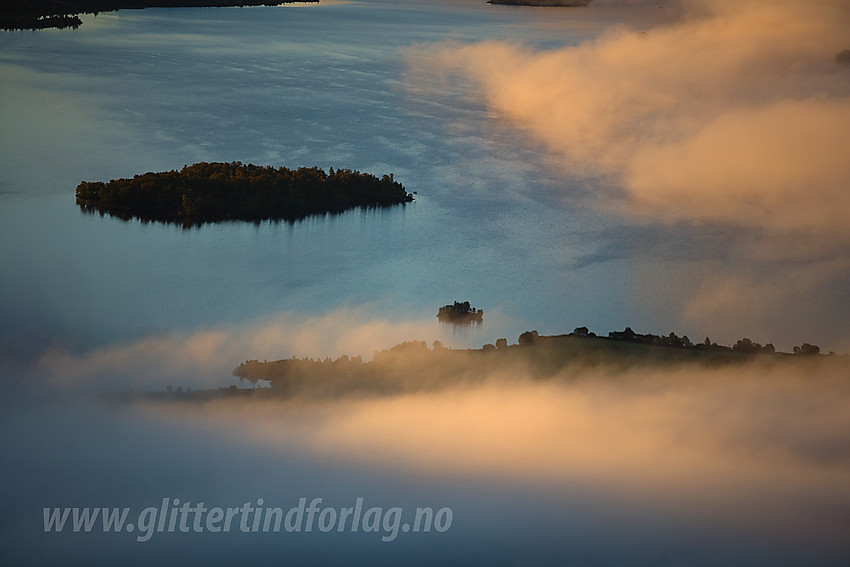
(412, 366)
(210, 192)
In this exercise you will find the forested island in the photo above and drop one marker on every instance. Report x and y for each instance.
(413, 366)
(460, 313)
(40, 14)
(212, 192)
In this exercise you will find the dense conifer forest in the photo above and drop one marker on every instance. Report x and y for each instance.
(211, 192)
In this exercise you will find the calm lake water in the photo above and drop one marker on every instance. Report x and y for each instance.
(152, 90)
(91, 304)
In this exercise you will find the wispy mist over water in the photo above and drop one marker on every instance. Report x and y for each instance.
(609, 463)
(732, 116)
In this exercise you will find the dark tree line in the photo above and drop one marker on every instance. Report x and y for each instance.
(413, 366)
(742, 346)
(38, 14)
(210, 192)
(748, 346)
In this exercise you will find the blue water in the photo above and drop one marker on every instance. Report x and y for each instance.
(152, 90)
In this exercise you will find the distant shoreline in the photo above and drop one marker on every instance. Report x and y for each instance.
(549, 3)
(42, 14)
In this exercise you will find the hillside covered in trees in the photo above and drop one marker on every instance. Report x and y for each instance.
(211, 192)
(413, 366)
(40, 14)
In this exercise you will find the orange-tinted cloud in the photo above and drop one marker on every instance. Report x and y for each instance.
(207, 356)
(733, 115)
(737, 112)
(759, 445)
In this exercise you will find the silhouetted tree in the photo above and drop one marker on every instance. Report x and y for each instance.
(807, 349)
(746, 346)
(527, 338)
(673, 340)
(460, 313)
